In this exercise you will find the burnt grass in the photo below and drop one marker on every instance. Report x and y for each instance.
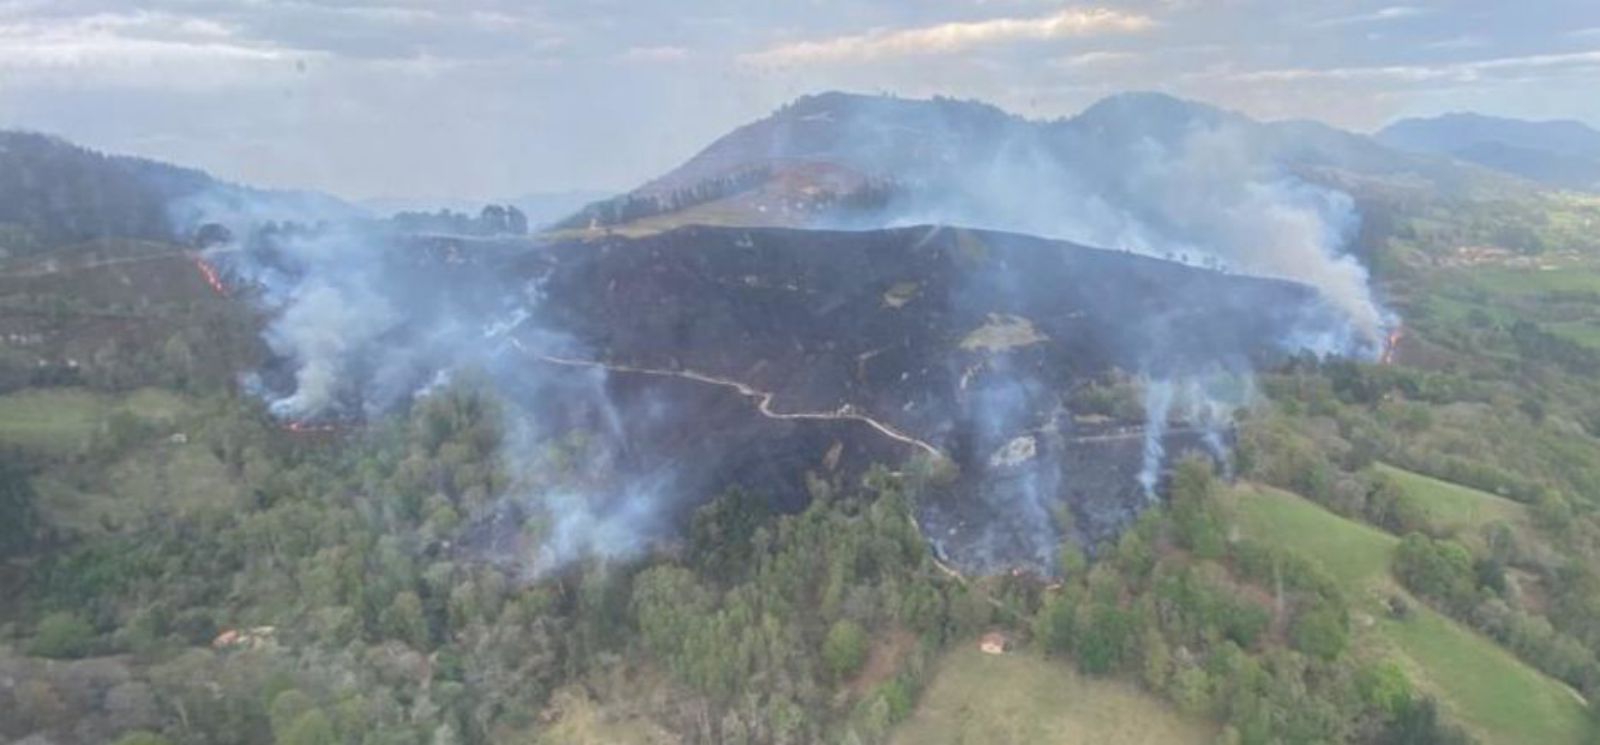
(817, 319)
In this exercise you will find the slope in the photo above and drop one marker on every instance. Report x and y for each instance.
(1482, 685)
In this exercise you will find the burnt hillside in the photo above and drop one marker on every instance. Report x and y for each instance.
(971, 342)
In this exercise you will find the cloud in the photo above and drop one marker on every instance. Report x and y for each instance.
(1390, 13)
(655, 54)
(1094, 59)
(951, 38)
(1468, 41)
(155, 48)
(1452, 72)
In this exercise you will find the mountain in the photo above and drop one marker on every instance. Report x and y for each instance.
(1561, 153)
(53, 192)
(837, 158)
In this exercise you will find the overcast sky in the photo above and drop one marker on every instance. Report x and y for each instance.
(491, 98)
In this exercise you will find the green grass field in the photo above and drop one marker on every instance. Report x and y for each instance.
(54, 421)
(1455, 507)
(1518, 281)
(1480, 684)
(154, 477)
(1355, 554)
(982, 699)
(61, 421)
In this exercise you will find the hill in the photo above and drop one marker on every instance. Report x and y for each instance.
(834, 156)
(54, 193)
(1559, 153)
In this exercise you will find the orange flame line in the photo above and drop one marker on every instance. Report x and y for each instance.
(1392, 344)
(304, 428)
(211, 276)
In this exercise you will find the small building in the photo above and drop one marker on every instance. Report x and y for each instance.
(995, 642)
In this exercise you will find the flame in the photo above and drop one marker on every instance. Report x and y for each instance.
(1391, 344)
(211, 276)
(310, 428)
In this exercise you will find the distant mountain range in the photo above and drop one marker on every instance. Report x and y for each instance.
(1565, 153)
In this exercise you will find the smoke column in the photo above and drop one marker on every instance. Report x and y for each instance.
(1157, 406)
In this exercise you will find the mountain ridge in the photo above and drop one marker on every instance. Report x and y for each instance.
(1564, 153)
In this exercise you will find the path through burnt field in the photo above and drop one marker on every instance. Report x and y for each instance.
(967, 343)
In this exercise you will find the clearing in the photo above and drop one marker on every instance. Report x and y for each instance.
(985, 699)
(1454, 507)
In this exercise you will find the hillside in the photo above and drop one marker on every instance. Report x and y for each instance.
(843, 158)
(54, 193)
(1559, 153)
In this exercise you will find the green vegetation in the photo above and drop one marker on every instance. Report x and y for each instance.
(67, 421)
(1356, 555)
(1023, 698)
(1484, 686)
(1502, 699)
(1453, 508)
(62, 634)
(55, 421)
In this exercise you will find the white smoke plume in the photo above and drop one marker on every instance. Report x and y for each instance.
(360, 323)
(1157, 407)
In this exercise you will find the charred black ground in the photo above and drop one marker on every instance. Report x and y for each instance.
(971, 342)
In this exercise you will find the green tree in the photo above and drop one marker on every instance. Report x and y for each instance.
(18, 517)
(844, 650)
(1384, 687)
(1321, 631)
(62, 635)
(310, 728)
(405, 621)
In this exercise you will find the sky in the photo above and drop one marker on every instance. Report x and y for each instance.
(492, 99)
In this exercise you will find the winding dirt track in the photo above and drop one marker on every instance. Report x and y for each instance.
(764, 406)
(763, 398)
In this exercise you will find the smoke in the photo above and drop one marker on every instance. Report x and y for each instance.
(1157, 407)
(1143, 174)
(361, 322)
(1206, 403)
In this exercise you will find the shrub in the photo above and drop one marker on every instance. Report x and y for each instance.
(62, 635)
(844, 650)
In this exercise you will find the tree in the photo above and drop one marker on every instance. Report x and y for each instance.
(62, 635)
(1102, 643)
(516, 221)
(844, 650)
(1055, 624)
(404, 620)
(1321, 631)
(18, 517)
(1384, 687)
(310, 728)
